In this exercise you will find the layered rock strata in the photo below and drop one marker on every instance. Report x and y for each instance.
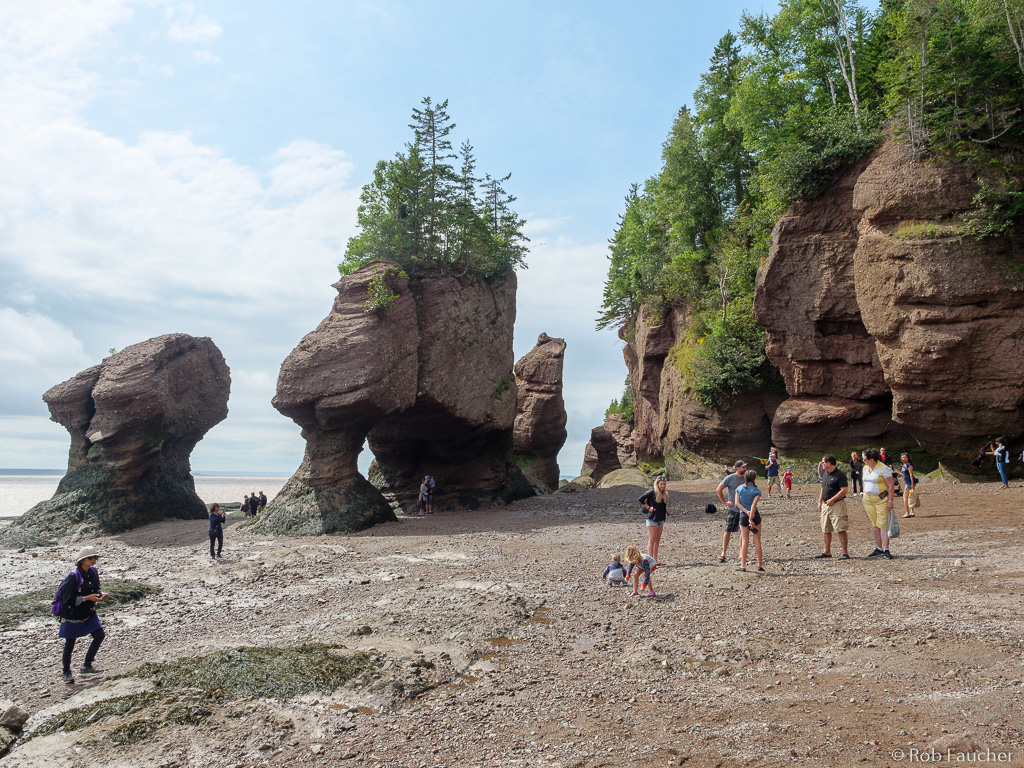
(134, 421)
(610, 448)
(426, 380)
(539, 432)
(885, 322)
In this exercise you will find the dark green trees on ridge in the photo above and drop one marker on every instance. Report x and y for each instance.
(785, 106)
(429, 211)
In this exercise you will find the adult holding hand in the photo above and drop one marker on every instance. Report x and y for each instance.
(877, 498)
(655, 503)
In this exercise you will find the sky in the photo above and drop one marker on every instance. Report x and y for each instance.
(195, 167)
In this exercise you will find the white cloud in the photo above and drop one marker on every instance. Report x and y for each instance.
(187, 26)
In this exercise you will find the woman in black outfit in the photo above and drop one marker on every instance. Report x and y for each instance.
(655, 502)
(79, 593)
(856, 465)
(217, 519)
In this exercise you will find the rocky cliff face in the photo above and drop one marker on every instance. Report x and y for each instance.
(134, 421)
(428, 383)
(885, 322)
(540, 432)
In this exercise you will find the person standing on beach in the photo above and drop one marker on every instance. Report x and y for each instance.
(731, 482)
(424, 493)
(909, 482)
(263, 502)
(217, 518)
(832, 506)
(245, 506)
(878, 481)
(747, 498)
(771, 471)
(856, 466)
(655, 503)
(254, 503)
(79, 593)
(1001, 454)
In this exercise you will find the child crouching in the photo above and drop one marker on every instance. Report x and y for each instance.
(615, 572)
(640, 563)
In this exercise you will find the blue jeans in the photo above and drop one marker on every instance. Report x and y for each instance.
(1001, 466)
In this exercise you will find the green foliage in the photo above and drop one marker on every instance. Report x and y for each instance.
(623, 406)
(503, 385)
(927, 230)
(380, 297)
(425, 214)
(787, 105)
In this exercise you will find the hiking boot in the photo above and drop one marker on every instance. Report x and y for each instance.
(887, 555)
(68, 678)
(823, 555)
(89, 669)
(876, 553)
(843, 556)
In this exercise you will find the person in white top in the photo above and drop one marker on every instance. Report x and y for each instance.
(877, 477)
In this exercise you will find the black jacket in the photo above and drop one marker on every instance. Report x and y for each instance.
(660, 508)
(70, 592)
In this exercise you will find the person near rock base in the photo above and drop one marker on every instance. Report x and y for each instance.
(638, 563)
(424, 493)
(787, 480)
(79, 595)
(731, 482)
(217, 518)
(430, 494)
(891, 465)
(832, 506)
(615, 572)
(878, 479)
(771, 471)
(856, 466)
(909, 482)
(245, 506)
(1001, 455)
(263, 502)
(747, 498)
(655, 503)
(254, 503)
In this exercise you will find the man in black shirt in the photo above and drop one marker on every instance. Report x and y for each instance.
(832, 505)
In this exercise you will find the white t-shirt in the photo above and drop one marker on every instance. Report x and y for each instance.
(871, 478)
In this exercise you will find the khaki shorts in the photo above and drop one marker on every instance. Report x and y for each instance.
(834, 518)
(876, 509)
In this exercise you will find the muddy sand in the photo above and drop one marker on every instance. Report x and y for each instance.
(487, 639)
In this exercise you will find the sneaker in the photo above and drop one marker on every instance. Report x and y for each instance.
(650, 593)
(843, 556)
(823, 555)
(760, 568)
(68, 678)
(634, 594)
(876, 553)
(887, 555)
(89, 669)
(741, 568)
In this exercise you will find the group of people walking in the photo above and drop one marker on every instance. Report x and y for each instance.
(254, 504)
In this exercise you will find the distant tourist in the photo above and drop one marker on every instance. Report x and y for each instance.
(254, 503)
(731, 482)
(747, 498)
(1001, 455)
(856, 466)
(245, 506)
(79, 593)
(615, 572)
(263, 502)
(655, 503)
(217, 518)
(787, 480)
(430, 494)
(424, 494)
(891, 465)
(821, 471)
(832, 507)
(771, 471)
(909, 483)
(638, 563)
(877, 498)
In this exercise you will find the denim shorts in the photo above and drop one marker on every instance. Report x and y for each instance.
(653, 524)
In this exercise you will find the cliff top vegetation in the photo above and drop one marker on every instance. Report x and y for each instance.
(785, 106)
(430, 216)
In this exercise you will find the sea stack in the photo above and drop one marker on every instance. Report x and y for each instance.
(134, 420)
(540, 412)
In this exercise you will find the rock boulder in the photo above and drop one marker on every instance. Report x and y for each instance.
(134, 421)
(610, 448)
(539, 431)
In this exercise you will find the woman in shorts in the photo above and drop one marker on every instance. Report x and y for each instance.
(655, 503)
(877, 477)
(747, 498)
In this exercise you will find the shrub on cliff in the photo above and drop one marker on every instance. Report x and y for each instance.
(428, 216)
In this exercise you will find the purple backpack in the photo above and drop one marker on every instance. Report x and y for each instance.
(57, 609)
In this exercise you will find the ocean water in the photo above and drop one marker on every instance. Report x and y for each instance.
(19, 493)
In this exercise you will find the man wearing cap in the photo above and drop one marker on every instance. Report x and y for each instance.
(79, 593)
(731, 482)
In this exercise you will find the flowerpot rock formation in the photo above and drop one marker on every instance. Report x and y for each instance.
(539, 431)
(425, 378)
(134, 420)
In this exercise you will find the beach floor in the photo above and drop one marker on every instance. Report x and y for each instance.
(493, 641)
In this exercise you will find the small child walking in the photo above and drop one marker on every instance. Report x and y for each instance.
(615, 572)
(787, 480)
(638, 563)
